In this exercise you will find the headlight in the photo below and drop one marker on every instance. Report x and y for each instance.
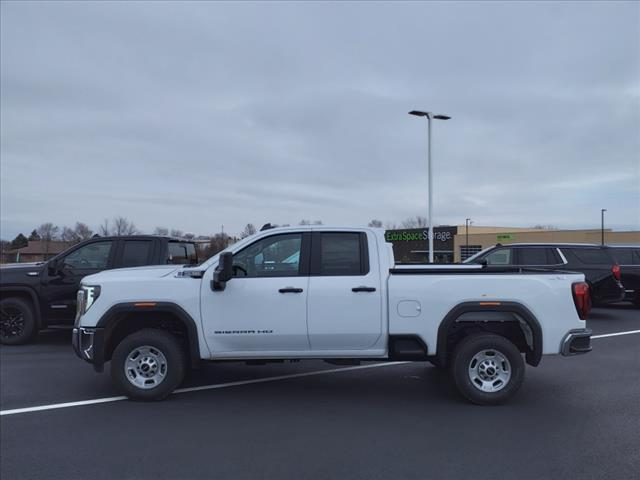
(91, 294)
(87, 295)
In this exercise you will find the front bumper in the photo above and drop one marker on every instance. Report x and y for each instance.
(576, 342)
(88, 343)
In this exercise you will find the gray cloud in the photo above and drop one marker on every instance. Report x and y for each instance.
(193, 115)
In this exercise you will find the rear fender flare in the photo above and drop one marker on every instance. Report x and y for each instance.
(476, 312)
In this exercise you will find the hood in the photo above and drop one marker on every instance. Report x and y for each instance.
(155, 271)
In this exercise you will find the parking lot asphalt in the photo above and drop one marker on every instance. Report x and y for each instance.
(575, 417)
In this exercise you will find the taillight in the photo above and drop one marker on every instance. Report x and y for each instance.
(582, 299)
(616, 271)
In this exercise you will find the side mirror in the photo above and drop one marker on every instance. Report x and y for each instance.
(54, 267)
(224, 272)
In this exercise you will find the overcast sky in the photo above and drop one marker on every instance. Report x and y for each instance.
(194, 115)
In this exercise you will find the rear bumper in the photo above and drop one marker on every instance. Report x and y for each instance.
(88, 343)
(576, 342)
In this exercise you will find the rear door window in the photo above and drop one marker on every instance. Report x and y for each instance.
(182, 253)
(339, 254)
(592, 256)
(625, 256)
(538, 256)
(136, 253)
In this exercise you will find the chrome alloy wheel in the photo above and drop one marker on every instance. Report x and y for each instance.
(145, 367)
(11, 322)
(489, 371)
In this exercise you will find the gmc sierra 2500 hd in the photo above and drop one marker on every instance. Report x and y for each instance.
(332, 294)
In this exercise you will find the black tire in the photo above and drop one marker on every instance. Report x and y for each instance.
(636, 301)
(483, 344)
(159, 341)
(17, 321)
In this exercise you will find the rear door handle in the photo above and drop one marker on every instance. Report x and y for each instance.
(363, 289)
(290, 290)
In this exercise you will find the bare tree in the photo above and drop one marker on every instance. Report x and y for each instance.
(177, 233)
(82, 231)
(5, 247)
(77, 234)
(161, 231)
(317, 222)
(122, 226)
(304, 222)
(219, 242)
(390, 225)
(414, 222)
(104, 228)
(48, 232)
(249, 229)
(375, 223)
(68, 235)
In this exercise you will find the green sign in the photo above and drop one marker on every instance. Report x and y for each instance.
(506, 237)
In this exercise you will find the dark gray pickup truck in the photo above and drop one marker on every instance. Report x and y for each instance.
(34, 296)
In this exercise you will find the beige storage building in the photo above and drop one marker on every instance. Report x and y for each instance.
(480, 238)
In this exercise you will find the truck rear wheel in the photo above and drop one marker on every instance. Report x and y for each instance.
(487, 369)
(148, 364)
(17, 321)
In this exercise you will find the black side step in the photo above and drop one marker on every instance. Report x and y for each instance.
(407, 347)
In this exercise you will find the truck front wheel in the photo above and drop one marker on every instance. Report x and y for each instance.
(148, 364)
(17, 322)
(487, 369)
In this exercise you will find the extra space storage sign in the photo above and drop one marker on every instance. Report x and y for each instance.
(442, 236)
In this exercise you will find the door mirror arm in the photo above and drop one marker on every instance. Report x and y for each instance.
(223, 272)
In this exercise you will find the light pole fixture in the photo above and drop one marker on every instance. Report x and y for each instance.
(429, 115)
(602, 224)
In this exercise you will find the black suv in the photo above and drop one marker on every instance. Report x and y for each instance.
(37, 295)
(600, 270)
(628, 257)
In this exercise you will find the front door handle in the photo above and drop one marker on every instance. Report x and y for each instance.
(362, 288)
(290, 290)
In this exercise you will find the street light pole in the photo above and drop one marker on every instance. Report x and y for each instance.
(602, 224)
(467, 221)
(429, 116)
(430, 186)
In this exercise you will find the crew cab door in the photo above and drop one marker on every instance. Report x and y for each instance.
(263, 309)
(345, 292)
(63, 277)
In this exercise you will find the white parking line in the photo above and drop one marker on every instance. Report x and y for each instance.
(55, 406)
(615, 334)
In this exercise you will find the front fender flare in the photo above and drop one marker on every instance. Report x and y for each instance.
(111, 318)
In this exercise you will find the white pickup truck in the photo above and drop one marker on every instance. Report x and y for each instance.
(328, 293)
